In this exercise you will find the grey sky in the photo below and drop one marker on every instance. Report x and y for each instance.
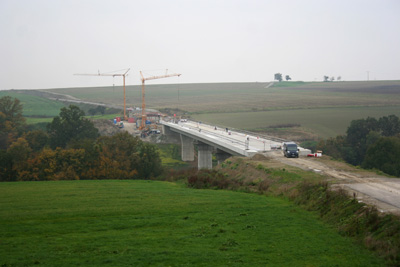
(43, 42)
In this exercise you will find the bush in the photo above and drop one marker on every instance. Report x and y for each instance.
(211, 179)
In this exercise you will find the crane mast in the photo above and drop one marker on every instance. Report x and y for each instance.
(113, 75)
(144, 116)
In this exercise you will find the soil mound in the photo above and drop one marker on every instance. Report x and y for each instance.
(106, 127)
(259, 157)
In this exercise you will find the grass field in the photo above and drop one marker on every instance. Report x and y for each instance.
(30, 120)
(142, 223)
(35, 105)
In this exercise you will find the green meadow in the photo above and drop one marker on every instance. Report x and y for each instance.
(35, 105)
(150, 223)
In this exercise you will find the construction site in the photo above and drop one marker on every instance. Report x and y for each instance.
(138, 121)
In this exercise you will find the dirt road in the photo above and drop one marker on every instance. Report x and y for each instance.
(368, 187)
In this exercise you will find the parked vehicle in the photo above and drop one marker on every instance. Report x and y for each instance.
(290, 150)
(155, 132)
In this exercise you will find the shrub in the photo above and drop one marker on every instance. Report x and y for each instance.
(211, 179)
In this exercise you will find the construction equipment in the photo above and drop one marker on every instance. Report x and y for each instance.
(144, 116)
(113, 75)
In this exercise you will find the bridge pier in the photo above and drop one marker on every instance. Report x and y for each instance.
(187, 148)
(204, 156)
(222, 156)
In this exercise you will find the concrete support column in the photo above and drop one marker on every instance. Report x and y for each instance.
(204, 156)
(222, 156)
(187, 148)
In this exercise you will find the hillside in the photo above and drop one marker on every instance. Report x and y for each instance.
(148, 223)
(292, 110)
(234, 97)
(35, 104)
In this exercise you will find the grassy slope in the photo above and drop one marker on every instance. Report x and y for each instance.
(143, 223)
(35, 105)
(42, 108)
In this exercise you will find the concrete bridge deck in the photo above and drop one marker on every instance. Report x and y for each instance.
(228, 142)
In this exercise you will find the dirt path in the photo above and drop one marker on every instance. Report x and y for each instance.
(368, 187)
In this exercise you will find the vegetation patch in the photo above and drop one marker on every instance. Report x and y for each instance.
(170, 155)
(290, 84)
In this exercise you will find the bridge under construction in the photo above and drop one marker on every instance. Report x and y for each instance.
(221, 141)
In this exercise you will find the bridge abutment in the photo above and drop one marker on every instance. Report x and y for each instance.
(172, 137)
(187, 147)
(204, 156)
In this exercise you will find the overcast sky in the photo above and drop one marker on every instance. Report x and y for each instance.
(44, 42)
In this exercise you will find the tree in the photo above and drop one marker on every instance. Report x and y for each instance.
(59, 164)
(357, 134)
(390, 125)
(11, 120)
(326, 78)
(19, 151)
(332, 79)
(384, 155)
(118, 157)
(12, 109)
(92, 111)
(101, 110)
(123, 156)
(333, 146)
(339, 78)
(150, 162)
(287, 77)
(278, 77)
(7, 172)
(70, 126)
(3, 131)
(37, 139)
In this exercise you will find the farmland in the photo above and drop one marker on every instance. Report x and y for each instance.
(325, 122)
(145, 223)
(319, 110)
(324, 109)
(238, 97)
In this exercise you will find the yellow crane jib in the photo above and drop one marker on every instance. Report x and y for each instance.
(113, 75)
(143, 79)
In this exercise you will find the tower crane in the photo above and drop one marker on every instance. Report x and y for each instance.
(113, 75)
(144, 116)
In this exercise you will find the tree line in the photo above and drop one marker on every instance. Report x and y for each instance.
(370, 143)
(69, 149)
